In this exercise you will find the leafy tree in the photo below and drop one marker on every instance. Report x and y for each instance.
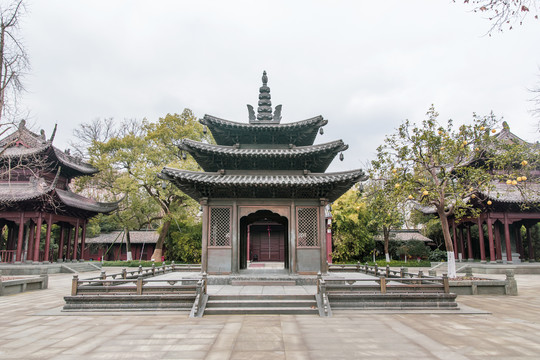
(433, 165)
(350, 227)
(383, 205)
(184, 242)
(130, 162)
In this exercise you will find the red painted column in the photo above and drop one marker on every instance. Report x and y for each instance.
(461, 242)
(248, 243)
(507, 241)
(61, 246)
(469, 243)
(68, 250)
(531, 249)
(48, 239)
(76, 241)
(37, 239)
(519, 242)
(492, 257)
(83, 238)
(31, 239)
(481, 241)
(20, 238)
(498, 247)
(455, 239)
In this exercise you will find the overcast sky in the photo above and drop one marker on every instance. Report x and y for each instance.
(366, 66)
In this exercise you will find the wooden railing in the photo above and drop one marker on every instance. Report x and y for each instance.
(378, 271)
(7, 256)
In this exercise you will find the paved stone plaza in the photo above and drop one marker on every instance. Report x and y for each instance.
(32, 327)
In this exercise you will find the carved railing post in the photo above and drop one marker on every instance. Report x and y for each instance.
(140, 269)
(205, 279)
(387, 271)
(139, 285)
(103, 275)
(383, 284)
(124, 273)
(376, 269)
(446, 284)
(74, 285)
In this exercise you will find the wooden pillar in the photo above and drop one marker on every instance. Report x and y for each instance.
(83, 239)
(248, 243)
(492, 257)
(31, 239)
(498, 246)
(48, 239)
(76, 240)
(529, 240)
(61, 245)
(461, 242)
(455, 239)
(20, 237)
(204, 252)
(519, 241)
(68, 250)
(507, 243)
(37, 238)
(481, 240)
(469, 243)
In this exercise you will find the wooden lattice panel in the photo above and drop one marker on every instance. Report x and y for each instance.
(220, 226)
(308, 233)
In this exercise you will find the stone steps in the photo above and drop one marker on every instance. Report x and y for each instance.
(261, 304)
(393, 301)
(80, 267)
(182, 302)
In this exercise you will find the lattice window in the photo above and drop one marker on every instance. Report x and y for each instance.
(308, 233)
(220, 226)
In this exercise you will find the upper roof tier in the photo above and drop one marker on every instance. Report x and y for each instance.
(26, 145)
(315, 158)
(300, 133)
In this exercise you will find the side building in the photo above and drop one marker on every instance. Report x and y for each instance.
(34, 192)
(264, 190)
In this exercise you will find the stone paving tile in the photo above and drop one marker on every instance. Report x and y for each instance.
(509, 332)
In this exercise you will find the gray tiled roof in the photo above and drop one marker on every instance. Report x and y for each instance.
(14, 191)
(80, 202)
(524, 192)
(211, 157)
(136, 237)
(404, 235)
(300, 133)
(311, 185)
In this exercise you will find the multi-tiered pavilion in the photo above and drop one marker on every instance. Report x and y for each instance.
(34, 191)
(263, 190)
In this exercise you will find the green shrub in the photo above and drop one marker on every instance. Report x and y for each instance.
(438, 255)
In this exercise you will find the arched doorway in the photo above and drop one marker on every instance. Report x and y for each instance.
(264, 238)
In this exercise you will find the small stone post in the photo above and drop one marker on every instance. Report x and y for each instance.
(205, 278)
(358, 266)
(420, 274)
(172, 265)
(367, 267)
(446, 284)
(402, 272)
(383, 285)
(376, 269)
(103, 275)
(124, 273)
(74, 285)
(140, 269)
(510, 286)
(153, 269)
(139, 285)
(387, 271)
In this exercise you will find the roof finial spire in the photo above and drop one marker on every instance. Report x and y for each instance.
(264, 111)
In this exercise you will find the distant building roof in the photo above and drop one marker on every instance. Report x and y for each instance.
(136, 237)
(404, 235)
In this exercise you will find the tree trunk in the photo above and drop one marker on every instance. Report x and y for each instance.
(386, 235)
(158, 251)
(449, 244)
(129, 257)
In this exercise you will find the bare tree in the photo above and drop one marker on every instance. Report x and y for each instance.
(13, 60)
(505, 13)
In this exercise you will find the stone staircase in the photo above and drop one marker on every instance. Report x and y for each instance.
(100, 302)
(79, 267)
(261, 304)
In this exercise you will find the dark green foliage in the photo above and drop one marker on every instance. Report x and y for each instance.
(184, 243)
(437, 255)
(413, 249)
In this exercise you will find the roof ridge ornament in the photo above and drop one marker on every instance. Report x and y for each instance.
(264, 109)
